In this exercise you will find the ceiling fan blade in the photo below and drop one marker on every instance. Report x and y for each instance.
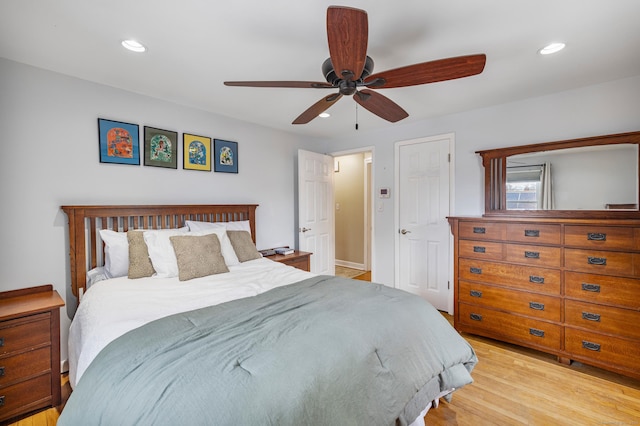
(314, 110)
(347, 33)
(429, 72)
(380, 105)
(293, 84)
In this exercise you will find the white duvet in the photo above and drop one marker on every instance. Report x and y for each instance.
(113, 307)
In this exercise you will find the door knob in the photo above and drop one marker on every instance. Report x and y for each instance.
(404, 231)
(305, 229)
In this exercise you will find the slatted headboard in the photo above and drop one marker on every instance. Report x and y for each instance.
(86, 249)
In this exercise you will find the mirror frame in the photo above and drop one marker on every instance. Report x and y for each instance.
(495, 176)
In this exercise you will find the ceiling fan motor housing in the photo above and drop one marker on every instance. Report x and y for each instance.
(333, 79)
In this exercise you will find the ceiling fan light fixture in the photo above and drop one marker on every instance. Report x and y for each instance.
(551, 48)
(324, 115)
(133, 45)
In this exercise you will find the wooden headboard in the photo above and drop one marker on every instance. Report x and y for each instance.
(86, 249)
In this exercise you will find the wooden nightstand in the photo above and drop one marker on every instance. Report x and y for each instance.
(297, 259)
(29, 350)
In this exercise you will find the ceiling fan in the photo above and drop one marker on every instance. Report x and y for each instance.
(349, 69)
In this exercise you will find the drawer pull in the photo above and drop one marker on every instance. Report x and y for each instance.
(475, 270)
(536, 280)
(1, 371)
(536, 332)
(595, 288)
(531, 233)
(532, 254)
(1, 342)
(596, 260)
(596, 236)
(479, 230)
(591, 346)
(591, 317)
(476, 317)
(537, 306)
(475, 293)
(479, 249)
(1, 400)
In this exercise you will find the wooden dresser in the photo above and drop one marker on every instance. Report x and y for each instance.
(29, 350)
(569, 287)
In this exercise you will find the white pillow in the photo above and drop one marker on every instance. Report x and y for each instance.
(220, 229)
(116, 253)
(161, 253)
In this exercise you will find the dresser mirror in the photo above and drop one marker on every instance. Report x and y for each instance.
(596, 176)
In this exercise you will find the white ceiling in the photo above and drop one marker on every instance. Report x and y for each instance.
(195, 45)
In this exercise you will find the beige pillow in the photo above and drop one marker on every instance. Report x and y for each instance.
(139, 263)
(243, 245)
(198, 256)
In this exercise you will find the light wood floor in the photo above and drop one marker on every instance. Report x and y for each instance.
(513, 386)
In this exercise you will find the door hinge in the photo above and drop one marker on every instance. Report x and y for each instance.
(448, 158)
(448, 285)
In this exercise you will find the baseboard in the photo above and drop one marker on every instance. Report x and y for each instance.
(351, 265)
(64, 366)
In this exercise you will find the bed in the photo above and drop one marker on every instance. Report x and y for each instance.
(216, 334)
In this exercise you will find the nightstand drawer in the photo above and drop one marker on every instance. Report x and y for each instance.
(14, 369)
(25, 396)
(24, 333)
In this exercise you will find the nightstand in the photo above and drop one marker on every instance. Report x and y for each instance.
(297, 259)
(29, 350)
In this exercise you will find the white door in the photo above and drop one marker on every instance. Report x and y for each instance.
(315, 210)
(423, 239)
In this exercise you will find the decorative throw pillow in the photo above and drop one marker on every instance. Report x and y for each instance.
(198, 256)
(243, 245)
(220, 229)
(139, 263)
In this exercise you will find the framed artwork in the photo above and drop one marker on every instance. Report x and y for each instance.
(160, 148)
(119, 142)
(225, 156)
(196, 152)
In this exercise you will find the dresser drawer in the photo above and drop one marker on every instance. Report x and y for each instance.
(599, 237)
(25, 396)
(480, 250)
(603, 289)
(482, 230)
(529, 304)
(549, 257)
(511, 327)
(24, 333)
(601, 262)
(16, 368)
(533, 233)
(604, 349)
(530, 278)
(604, 319)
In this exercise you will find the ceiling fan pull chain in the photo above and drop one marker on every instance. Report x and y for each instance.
(356, 116)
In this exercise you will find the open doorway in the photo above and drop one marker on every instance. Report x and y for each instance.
(353, 213)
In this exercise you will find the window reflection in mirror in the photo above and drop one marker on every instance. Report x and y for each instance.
(586, 178)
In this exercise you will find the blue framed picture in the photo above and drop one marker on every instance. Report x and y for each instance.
(225, 156)
(119, 142)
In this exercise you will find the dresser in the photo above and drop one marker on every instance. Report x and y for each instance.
(569, 287)
(29, 350)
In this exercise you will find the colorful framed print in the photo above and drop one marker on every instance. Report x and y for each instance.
(119, 142)
(160, 148)
(196, 152)
(225, 156)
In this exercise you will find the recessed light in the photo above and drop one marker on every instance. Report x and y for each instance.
(133, 45)
(551, 48)
(324, 115)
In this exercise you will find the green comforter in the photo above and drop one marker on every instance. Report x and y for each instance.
(324, 351)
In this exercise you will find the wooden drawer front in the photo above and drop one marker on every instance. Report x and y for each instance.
(533, 255)
(533, 233)
(15, 368)
(603, 289)
(599, 237)
(530, 304)
(24, 333)
(511, 327)
(599, 262)
(300, 263)
(607, 350)
(481, 230)
(604, 319)
(25, 396)
(480, 250)
(533, 279)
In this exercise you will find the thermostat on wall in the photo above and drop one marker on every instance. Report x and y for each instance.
(385, 193)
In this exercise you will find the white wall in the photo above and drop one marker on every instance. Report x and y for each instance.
(49, 157)
(612, 107)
